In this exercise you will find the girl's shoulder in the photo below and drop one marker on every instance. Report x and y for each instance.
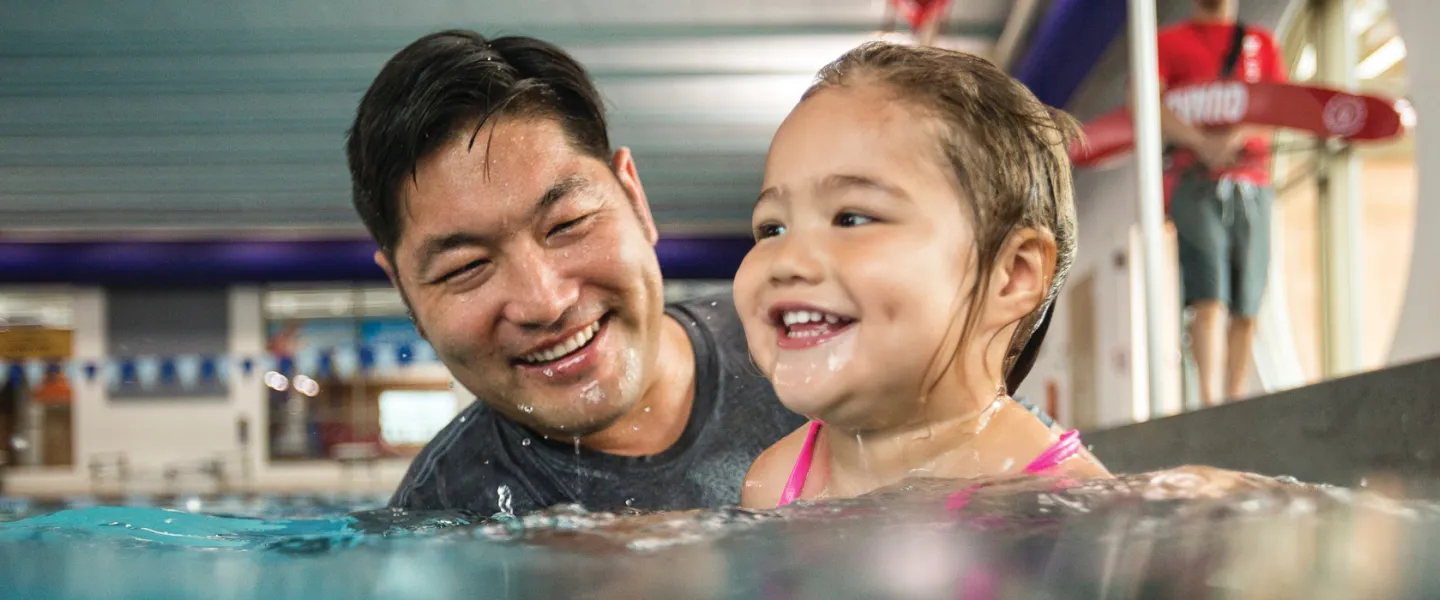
(767, 475)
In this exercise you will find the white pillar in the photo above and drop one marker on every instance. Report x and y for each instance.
(1339, 206)
(1144, 73)
(247, 393)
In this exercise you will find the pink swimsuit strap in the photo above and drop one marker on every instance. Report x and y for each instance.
(1062, 450)
(796, 483)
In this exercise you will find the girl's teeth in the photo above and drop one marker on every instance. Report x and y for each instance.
(801, 317)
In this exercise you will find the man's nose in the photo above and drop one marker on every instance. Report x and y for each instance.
(538, 293)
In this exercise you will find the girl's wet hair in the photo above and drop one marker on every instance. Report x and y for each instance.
(1006, 149)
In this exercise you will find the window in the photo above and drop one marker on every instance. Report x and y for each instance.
(412, 417)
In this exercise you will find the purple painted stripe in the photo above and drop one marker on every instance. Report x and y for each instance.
(170, 263)
(1068, 41)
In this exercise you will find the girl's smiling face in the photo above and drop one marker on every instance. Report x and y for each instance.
(863, 263)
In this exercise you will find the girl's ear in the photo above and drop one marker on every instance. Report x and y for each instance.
(1024, 268)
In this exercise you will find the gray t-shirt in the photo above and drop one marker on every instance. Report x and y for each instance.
(481, 463)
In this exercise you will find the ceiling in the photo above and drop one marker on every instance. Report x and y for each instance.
(202, 116)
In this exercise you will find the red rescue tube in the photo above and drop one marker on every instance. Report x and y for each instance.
(1319, 111)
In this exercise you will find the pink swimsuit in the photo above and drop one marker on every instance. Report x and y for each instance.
(1067, 447)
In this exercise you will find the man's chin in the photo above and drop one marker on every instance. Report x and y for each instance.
(565, 423)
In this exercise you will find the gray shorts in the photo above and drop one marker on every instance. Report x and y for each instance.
(1223, 230)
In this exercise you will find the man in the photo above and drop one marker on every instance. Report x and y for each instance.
(1221, 201)
(524, 248)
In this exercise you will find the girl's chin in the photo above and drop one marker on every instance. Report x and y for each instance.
(809, 404)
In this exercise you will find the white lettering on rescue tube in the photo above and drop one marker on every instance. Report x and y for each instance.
(1219, 103)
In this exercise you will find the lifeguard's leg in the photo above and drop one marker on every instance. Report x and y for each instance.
(1203, 242)
(1251, 255)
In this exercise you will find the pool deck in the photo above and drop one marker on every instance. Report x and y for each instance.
(1376, 428)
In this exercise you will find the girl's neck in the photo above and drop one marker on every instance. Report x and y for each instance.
(863, 460)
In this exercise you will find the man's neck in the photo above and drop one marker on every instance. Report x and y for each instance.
(658, 418)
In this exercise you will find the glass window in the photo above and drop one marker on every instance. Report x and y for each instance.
(412, 417)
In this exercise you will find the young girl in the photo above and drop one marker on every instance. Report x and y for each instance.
(916, 219)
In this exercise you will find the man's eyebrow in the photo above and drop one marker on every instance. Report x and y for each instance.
(560, 190)
(835, 183)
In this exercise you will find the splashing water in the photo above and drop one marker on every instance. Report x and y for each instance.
(1185, 533)
(503, 500)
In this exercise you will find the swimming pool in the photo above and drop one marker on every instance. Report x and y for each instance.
(1138, 536)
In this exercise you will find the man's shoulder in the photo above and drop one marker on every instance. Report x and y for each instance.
(713, 313)
(423, 480)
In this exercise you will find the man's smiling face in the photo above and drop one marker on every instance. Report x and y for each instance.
(531, 269)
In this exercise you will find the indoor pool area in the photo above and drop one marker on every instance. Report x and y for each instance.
(761, 299)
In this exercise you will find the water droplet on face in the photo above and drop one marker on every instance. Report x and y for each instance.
(592, 394)
(647, 409)
(528, 409)
(635, 428)
(525, 442)
(549, 372)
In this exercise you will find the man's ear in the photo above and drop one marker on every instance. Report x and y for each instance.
(624, 165)
(389, 269)
(1023, 271)
(384, 263)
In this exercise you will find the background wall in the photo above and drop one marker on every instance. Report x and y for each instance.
(1418, 334)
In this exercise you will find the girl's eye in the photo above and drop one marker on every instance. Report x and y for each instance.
(852, 219)
(768, 230)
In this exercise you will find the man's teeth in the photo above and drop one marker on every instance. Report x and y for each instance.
(561, 349)
(800, 317)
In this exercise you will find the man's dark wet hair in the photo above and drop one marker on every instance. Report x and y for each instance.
(458, 79)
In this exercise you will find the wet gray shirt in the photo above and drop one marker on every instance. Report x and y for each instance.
(481, 462)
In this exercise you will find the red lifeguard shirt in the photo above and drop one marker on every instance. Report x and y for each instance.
(1191, 52)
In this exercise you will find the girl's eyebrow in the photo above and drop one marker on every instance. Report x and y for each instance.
(839, 182)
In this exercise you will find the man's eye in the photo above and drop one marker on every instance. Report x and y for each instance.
(567, 226)
(768, 230)
(462, 271)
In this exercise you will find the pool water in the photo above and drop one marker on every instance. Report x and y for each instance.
(1178, 534)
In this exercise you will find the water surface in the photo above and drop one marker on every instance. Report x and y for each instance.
(1179, 534)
